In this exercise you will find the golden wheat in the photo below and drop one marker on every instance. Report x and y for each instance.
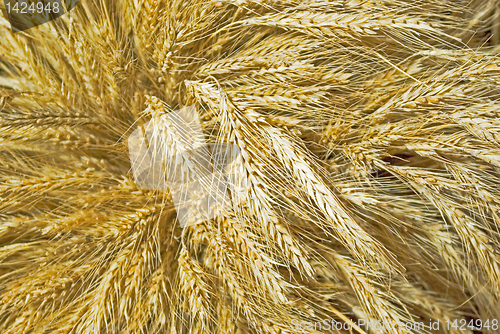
(369, 141)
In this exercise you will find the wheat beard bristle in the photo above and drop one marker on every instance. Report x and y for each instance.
(366, 144)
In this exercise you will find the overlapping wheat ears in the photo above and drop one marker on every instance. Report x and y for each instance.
(369, 133)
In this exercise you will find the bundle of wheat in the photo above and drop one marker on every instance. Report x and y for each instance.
(370, 144)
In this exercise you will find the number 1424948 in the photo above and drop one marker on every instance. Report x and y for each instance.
(475, 324)
(33, 7)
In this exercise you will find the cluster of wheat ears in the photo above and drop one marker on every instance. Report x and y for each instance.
(370, 136)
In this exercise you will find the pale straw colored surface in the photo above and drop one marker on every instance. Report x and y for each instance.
(370, 141)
